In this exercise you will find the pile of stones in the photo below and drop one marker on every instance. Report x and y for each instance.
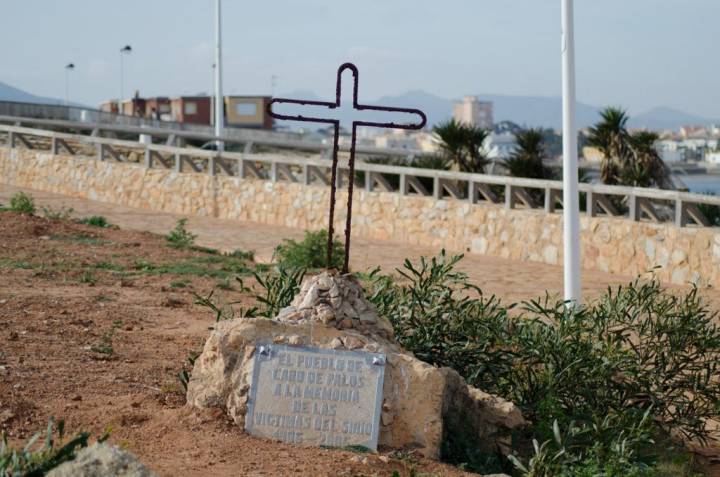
(336, 301)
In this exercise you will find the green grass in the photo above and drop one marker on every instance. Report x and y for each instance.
(81, 239)
(22, 203)
(95, 221)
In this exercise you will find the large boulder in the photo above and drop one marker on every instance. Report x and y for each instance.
(102, 460)
(421, 403)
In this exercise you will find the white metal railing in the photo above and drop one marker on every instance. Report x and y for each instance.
(633, 203)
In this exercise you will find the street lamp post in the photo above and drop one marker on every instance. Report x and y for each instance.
(68, 68)
(125, 50)
(571, 206)
(219, 104)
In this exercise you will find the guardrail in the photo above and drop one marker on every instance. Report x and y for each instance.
(176, 133)
(633, 203)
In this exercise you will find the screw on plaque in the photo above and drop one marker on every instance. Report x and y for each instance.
(264, 350)
(351, 163)
(378, 361)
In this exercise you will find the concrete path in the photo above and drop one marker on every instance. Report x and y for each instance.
(511, 280)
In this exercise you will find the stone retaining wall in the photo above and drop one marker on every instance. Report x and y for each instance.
(614, 245)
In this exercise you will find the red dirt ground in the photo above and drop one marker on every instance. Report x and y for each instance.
(89, 335)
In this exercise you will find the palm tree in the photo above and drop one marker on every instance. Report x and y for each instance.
(527, 158)
(628, 159)
(610, 136)
(462, 144)
(648, 168)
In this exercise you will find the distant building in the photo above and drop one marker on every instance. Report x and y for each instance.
(190, 109)
(248, 111)
(500, 145)
(158, 108)
(474, 112)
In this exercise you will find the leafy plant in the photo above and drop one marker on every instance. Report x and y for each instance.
(310, 253)
(277, 290)
(63, 213)
(638, 361)
(95, 221)
(30, 462)
(22, 203)
(180, 237)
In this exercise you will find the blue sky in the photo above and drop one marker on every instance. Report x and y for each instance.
(635, 53)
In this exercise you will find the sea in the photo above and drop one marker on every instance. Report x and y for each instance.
(702, 183)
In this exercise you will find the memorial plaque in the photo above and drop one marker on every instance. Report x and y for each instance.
(316, 396)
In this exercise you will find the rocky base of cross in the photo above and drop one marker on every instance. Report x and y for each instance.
(422, 405)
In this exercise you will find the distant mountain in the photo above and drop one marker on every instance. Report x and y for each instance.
(667, 118)
(527, 111)
(10, 93)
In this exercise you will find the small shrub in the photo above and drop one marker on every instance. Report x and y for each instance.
(34, 462)
(248, 255)
(179, 237)
(178, 284)
(63, 213)
(278, 289)
(310, 253)
(88, 277)
(623, 374)
(95, 221)
(22, 203)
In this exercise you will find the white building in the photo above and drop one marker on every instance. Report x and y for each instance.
(474, 112)
(500, 146)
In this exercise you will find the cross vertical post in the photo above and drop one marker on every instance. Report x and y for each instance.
(422, 120)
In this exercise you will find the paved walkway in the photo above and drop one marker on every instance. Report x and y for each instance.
(509, 279)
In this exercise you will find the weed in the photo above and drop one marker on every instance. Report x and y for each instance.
(63, 213)
(247, 255)
(22, 203)
(310, 253)
(88, 277)
(105, 346)
(180, 237)
(33, 463)
(277, 290)
(178, 283)
(184, 375)
(95, 221)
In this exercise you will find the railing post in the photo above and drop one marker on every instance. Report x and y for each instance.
(178, 162)
(549, 200)
(680, 214)
(369, 182)
(634, 206)
(307, 175)
(11, 140)
(54, 146)
(403, 184)
(148, 158)
(437, 188)
(100, 151)
(472, 192)
(590, 208)
(509, 196)
(211, 166)
(273, 171)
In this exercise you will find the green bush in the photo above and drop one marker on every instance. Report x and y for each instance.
(277, 290)
(31, 462)
(22, 203)
(637, 362)
(95, 221)
(63, 213)
(180, 237)
(310, 253)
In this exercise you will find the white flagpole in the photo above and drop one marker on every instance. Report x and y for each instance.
(219, 103)
(571, 206)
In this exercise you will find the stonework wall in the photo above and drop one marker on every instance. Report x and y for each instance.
(614, 245)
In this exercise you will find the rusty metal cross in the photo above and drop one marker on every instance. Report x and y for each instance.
(422, 120)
